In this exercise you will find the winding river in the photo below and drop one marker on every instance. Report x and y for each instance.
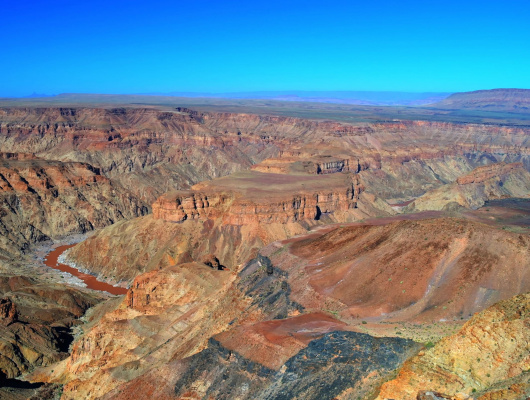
(91, 281)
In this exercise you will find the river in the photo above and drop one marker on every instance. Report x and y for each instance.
(91, 281)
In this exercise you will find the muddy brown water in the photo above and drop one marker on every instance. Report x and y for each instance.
(91, 281)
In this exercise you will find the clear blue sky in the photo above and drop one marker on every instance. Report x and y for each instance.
(57, 46)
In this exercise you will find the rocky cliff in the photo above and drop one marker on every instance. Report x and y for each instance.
(167, 314)
(253, 198)
(35, 321)
(154, 151)
(487, 359)
(42, 199)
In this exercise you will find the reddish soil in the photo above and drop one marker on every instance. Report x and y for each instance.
(91, 281)
(272, 343)
(408, 270)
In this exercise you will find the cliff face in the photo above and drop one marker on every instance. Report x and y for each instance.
(254, 198)
(230, 217)
(167, 314)
(34, 322)
(487, 359)
(185, 205)
(147, 150)
(152, 152)
(42, 199)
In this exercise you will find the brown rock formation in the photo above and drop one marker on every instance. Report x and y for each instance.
(272, 343)
(8, 312)
(424, 270)
(212, 261)
(487, 172)
(485, 359)
(472, 190)
(253, 198)
(166, 314)
(304, 173)
(35, 321)
(42, 199)
(152, 151)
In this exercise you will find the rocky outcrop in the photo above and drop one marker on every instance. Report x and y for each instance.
(257, 198)
(487, 359)
(35, 321)
(213, 262)
(338, 364)
(42, 199)
(312, 165)
(486, 172)
(472, 190)
(8, 312)
(186, 205)
(302, 356)
(168, 314)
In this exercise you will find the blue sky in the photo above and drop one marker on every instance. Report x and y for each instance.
(57, 46)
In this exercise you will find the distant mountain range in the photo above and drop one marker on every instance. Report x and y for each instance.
(35, 95)
(494, 101)
(334, 97)
(511, 100)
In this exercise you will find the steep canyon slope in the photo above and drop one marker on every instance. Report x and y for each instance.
(42, 199)
(276, 201)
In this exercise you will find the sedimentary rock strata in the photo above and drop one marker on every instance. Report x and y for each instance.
(236, 286)
(34, 322)
(250, 198)
(487, 359)
(472, 190)
(42, 199)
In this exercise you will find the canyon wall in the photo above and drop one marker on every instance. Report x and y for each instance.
(42, 199)
(152, 151)
(256, 198)
(472, 190)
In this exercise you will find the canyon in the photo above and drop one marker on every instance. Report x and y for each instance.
(262, 256)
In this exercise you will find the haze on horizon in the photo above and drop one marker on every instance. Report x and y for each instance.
(219, 47)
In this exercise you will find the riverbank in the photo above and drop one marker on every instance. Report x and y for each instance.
(56, 260)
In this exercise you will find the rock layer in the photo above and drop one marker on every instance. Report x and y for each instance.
(254, 198)
(487, 359)
(42, 199)
(472, 190)
(35, 321)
